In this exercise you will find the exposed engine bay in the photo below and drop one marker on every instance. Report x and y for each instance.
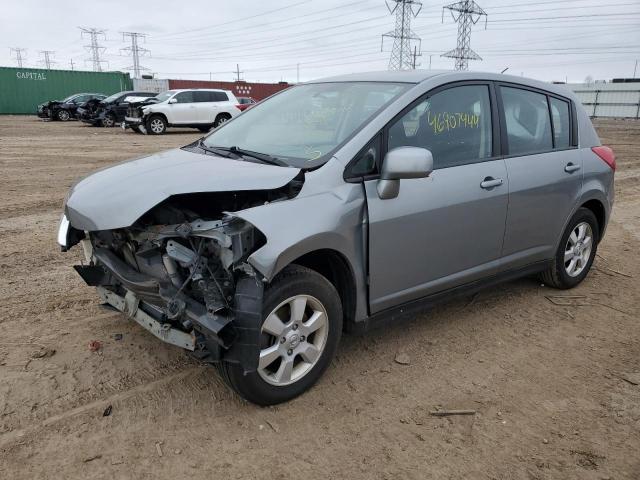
(181, 271)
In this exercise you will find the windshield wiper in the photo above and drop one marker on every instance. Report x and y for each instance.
(217, 151)
(263, 157)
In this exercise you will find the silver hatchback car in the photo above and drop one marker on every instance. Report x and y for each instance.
(337, 205)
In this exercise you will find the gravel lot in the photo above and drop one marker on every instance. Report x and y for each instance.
(554, 385)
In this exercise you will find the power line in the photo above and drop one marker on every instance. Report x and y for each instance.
(135, 51)
(18, 52)
(94, 47)
(466, 13)
(46, 61)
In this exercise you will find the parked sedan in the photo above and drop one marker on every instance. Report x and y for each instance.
(111, 110)
(338, 205)
(245, 102)
(66, 109)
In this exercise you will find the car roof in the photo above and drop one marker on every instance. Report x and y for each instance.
(178, 90)
(419, 76)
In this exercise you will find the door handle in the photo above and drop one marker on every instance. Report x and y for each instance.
(490, 182)
(571, 167)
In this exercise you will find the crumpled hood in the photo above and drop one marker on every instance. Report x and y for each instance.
(117, 196)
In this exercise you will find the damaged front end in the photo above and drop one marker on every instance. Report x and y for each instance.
(183, 276)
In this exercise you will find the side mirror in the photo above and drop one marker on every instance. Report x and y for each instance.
(401, 163)
(173, 100)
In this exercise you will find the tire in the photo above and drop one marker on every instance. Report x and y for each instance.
(109, 121)
(575, 253)
(136, 129)
(270, 384)
(156, 125)
(63, 115)
(220, 119)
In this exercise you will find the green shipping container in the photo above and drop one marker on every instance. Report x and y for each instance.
(22, 89)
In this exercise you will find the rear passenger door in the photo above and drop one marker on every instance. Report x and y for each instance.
(544, 168)
(447, 229)
(209, 106)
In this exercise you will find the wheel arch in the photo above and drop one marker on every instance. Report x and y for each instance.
(335, 267)
(598, 209)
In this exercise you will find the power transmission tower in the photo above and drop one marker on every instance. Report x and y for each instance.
(402, 57)
(135, 51)
(94, 47)
(46, 61)
(19, 58)
(466, 13)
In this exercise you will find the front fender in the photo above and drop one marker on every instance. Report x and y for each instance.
(329, 220)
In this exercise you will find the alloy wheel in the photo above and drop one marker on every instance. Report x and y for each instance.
(578, 249)
(156, 125)
(294, 336)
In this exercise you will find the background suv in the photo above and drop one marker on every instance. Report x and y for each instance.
(196, 108)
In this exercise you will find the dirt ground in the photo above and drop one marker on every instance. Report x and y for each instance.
(554, 381)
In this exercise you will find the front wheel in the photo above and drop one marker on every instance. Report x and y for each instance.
(156, 125)
(301, 328)
(576, 251)
(63, 115)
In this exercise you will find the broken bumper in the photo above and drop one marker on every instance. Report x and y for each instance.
(130, 305)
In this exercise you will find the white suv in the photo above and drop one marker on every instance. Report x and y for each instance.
(196, 108)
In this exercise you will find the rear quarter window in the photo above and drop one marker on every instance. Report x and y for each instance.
(560, 115)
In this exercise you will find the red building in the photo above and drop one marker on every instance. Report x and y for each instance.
(257, 91)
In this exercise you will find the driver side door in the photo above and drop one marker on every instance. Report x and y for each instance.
(447, 229)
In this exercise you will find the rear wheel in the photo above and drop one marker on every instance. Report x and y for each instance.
(301, 328)
(63, 115)
(576, 251)
(156, 125)
(109, 121)
(221, 118)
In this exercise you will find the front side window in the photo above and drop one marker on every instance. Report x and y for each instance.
(454, 124)
(184, 97)
(527, 121)
(164, 96)
(303, 124)
(560, 116)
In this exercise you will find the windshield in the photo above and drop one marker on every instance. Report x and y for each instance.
(164, 95)
(112, 98)
(305, 123)
(68, 99)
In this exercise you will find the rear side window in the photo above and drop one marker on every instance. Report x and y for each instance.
(454, 124)
(561, 124)
(527, 121)
(219, 97)
(199, 96)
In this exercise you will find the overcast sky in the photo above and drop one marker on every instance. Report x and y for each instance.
(199, 39)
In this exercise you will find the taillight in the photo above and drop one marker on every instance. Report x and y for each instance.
(607, 155)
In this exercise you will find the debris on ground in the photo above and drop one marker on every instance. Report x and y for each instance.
(95, 345)
(44, 352)
(446, 413)
(107, 411)
(632, 378)
(403, 359)
(273, 426)
(117, 336)
(91, 459)
(159, 448)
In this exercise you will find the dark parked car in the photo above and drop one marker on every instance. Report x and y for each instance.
(245, 102)
(112, 109)
(66, 109)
